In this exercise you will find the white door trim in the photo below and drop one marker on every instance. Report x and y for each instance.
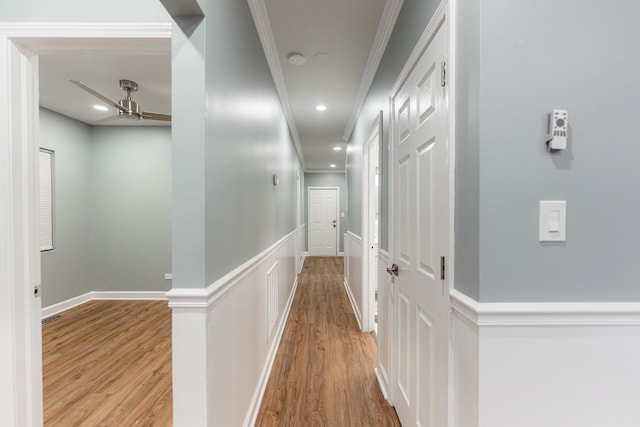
(444, 12)
(20, 337)
(337, 216)
(368, 294)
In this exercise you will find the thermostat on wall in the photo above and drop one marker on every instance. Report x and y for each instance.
(558, 128)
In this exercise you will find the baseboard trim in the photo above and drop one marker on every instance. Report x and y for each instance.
(305, 254)
(66, 305)
(256, 401)
(340, 253)
(546, 313)
(382, 384)
(302, 260)
(129, 295)
(354, 306)
(101, 295)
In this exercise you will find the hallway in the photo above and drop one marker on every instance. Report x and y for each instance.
(324, 369)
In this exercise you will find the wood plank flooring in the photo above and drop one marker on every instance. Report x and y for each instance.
(108, 363)
(323, 374)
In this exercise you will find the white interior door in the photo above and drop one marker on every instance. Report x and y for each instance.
(370, 220)
(421, 236)
(323, 221)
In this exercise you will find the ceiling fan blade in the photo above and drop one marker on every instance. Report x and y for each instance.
(108, 119)
(156, 116)
(98, 95)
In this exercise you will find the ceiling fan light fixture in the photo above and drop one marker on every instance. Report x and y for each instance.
(296, 58)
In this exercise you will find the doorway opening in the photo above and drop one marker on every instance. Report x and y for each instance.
(24, 45)
(371, 223)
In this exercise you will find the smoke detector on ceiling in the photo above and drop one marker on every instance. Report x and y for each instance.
(296, 58)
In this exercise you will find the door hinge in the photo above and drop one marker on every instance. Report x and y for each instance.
(442, 268)
(443, 73)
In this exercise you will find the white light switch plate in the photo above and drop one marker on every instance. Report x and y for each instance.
(553, 221)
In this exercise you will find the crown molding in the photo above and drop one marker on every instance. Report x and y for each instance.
(64, 37)
(385, 28)
(263, 26)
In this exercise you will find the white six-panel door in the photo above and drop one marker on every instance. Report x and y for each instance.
(323, 221)
(421, 235)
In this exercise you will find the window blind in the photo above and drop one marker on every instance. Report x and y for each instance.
(46, 200)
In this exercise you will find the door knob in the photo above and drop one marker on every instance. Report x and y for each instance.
(393, 270)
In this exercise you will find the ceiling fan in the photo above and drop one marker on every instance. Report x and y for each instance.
(127, 107)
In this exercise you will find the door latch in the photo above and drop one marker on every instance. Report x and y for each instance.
(393, 270)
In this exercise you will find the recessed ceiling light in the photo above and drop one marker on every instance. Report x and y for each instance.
(332, 166)
(100, 107)
(322, 57)
(296, 58)
(321, 107)
(336, 148)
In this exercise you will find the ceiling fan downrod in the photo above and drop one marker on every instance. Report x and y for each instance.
(132, 108)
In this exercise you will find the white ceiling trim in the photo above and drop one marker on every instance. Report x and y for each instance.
(263, 25)
(85, 30)
(385, 28)
(60, 38)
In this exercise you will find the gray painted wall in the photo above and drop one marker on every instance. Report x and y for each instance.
(247, 140)
(66, 270)
(112, 208)
(131, 208)
(412, 21)
(522, 77)
(467, 179)
(326, 180)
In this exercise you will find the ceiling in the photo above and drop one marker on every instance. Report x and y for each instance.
(341, 40)
(103, 71)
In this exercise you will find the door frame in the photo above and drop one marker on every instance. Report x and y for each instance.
(337, 217)
(368, 294)
(445, 11)
(20, 275)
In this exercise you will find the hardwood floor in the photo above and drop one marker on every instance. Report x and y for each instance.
(108, 363)
(323, 374)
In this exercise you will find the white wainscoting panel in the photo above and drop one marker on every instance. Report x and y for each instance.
(385, 316)
(353, 273)
(545, 364)
(301, 250)
(272, 298)
(464, 361)
(240, 344)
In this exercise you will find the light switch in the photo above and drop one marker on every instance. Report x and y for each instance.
(553, 221)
